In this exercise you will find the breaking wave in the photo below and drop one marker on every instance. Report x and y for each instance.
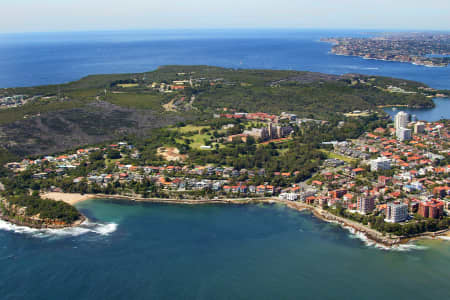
(86, 227)
(370, 243)
(354, 234)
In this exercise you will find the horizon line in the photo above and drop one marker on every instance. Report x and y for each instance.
(375, 30)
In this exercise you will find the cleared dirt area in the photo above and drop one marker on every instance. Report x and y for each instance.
(171, 154)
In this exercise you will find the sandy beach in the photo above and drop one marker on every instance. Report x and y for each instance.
(71, 198)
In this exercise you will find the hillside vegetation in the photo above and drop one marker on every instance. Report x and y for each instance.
(98, 108)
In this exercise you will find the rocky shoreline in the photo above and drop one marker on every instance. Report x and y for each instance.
(371, 234)
(36, 225)
(20, 218)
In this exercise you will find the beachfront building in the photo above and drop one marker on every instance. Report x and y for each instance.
(396, 212)
(365, 205)
(288, 196)
(431, 209)
(381, 163)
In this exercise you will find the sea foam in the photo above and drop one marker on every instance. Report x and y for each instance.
(354, 234)
(370, 243)
(86, 227)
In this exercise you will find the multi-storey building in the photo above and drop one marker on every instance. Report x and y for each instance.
(272, 131)
(403, 134)
(401, 120)
(419, 127)
(365, 204)
(431, 209)
(381, 163)
(396, 212)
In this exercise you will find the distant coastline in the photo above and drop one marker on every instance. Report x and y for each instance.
(411, 48)
(383, 59)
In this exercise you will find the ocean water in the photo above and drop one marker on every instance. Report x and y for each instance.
(158, 251)
(49, 58)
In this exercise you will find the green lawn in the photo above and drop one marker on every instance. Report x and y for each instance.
(190, 128)
(331, 154)
(197, 140)
(254, 124)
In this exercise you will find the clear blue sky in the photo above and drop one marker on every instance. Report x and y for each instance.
(62, 15)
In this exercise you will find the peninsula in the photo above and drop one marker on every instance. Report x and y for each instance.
(427, 49)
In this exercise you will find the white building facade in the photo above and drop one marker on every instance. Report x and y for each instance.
(419, 127)
(396, 212)
(381, 163)
(401, 120)
(403, 134)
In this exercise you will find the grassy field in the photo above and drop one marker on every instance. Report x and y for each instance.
(254, 124)
(190, 128)
(196, 140)
(128, 85)
(331, 154)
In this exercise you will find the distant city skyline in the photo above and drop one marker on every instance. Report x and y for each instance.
(82, 15)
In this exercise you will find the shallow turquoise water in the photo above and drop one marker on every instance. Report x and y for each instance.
(213, 252)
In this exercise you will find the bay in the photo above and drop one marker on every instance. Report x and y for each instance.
(440, 111)
(214, 252)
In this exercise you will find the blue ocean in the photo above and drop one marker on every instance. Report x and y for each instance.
(49, 58)
(152, 251)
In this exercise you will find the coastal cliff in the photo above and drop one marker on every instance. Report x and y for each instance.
(13, 212)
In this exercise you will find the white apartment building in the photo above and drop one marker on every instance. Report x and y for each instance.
(401, 120)
(396, 212)
(403, 134)
(288, 196)
(419, 127)
(381, 163)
